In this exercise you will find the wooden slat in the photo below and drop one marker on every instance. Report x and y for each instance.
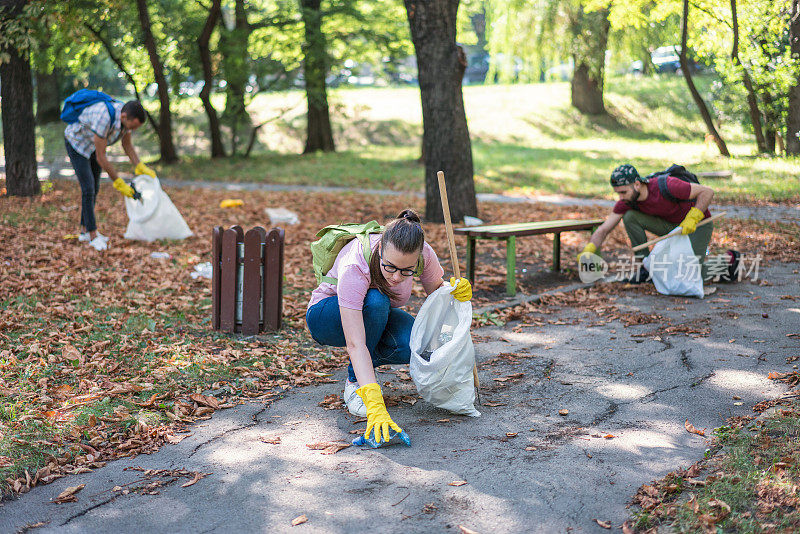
(273, 279)
(216, 257)
(230, 239)
(251, 286)
(526, 229)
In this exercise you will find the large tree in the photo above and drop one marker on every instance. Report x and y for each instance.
(589, 33)
(16, 92)
(793, 119)
(203, 41)
(445, 138)
(319, 135)
(168, 152)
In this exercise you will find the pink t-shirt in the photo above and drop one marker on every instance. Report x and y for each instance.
(353, 280)
(657, 205)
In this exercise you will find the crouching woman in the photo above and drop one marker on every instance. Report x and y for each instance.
(362, 310)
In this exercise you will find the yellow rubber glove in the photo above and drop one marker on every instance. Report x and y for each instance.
(141, 168)
(377, 416)
(590, 248)
(231, 203)
(463, 289)
(689, 223)
(122, 186)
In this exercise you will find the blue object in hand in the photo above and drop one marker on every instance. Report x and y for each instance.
(402, 436)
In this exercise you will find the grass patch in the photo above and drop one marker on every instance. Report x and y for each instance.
(526, 139)
(749, 484)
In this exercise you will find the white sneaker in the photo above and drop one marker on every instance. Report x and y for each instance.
(86, 237)
(354, 403)
(98, 243)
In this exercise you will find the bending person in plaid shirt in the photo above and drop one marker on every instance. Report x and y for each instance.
(86, 141)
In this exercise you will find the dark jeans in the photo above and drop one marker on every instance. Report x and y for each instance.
(88, 172)
(387, 329)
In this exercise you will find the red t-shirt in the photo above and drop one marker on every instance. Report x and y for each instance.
(657, 205)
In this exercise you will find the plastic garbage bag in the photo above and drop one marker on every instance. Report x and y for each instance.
(442, 355)
(674, 268)
(281, 216)
(202, 270)
(154, 216)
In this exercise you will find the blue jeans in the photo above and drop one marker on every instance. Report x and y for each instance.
(387, 329)
(88, 172)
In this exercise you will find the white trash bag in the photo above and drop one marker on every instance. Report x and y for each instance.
(442, 355)
(154, 216)
(674, 268)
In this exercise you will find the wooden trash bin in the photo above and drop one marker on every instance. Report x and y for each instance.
(247, 279)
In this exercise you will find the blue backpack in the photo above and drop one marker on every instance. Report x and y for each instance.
(80, 100)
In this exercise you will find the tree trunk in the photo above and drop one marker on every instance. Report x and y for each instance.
(752, 102)
(16, 95)
(48, 97)
(793, 118)
(446, 143)
(589, 43)
(698, 100)
(319, 135)
(167, 147)
(217, 149)
(234, 41)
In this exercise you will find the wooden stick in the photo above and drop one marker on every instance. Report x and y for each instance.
(454, 259)
(665, 236)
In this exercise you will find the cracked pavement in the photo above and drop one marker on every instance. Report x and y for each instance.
(527, 468)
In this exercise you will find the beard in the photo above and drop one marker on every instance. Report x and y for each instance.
(634, 198)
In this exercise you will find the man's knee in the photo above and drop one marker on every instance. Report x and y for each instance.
(629, 217)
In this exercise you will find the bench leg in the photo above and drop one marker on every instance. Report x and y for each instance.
(556, 252)
(511, 265)
(471, 242)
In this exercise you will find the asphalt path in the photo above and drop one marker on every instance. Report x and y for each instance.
(519, 467)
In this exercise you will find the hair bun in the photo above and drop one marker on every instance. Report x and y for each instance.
(410, 215)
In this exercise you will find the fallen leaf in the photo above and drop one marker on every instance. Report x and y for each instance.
(626, 527)
(604, 524)
(272, 441)
(68, 495)
(443, 421)
(457, 483)
(465, 530)
(531, 448)
(328, 447)
(299, 520)
(563, 411)
(197, 476)
(493, 404)
(691, 429)
(511, 434)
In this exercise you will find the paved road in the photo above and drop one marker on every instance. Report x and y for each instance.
(640, 389)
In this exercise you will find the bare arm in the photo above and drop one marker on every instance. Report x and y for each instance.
(354, 335)
(604, 229)
(100, 152)
(702, 196)
(127, 146)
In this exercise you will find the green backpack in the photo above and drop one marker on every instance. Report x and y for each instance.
(332, 239)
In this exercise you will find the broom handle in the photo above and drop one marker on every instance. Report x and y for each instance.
(454, 258)
(665, 236)
(448, 224)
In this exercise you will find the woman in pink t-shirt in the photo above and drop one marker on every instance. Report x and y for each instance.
(362, 310)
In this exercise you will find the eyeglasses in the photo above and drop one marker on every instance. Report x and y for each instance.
(389, 268)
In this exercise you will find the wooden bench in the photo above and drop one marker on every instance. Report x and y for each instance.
(510, 232)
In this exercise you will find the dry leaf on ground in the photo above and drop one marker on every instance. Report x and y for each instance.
(691, 429)
(604, 524)
(68, 495)
(328, 447)
(272, 441)
(299, 520)
(457, 483)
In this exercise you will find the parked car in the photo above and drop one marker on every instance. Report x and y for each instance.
(666, 58)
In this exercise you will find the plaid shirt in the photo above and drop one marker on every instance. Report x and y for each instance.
(94, 120)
